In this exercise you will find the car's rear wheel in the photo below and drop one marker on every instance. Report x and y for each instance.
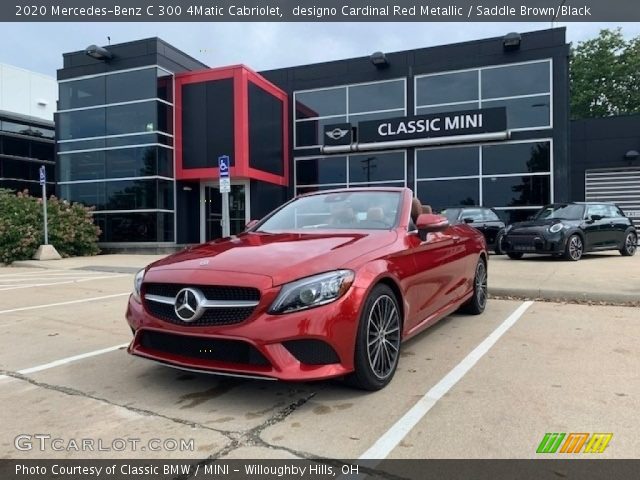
(378, 340)
(630, 245)
(574, 248)
(515, 255)
(478, 302)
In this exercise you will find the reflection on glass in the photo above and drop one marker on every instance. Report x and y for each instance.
(516, 191)
(447, 88)
(375, 167)
(516, 158)
(376, 96)
(525, 112)
(513, 80)
(447, 162)
(321, 170)
(441, 194)
(320, 103)
(135, 227)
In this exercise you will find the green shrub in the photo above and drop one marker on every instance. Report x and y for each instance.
(71, 228)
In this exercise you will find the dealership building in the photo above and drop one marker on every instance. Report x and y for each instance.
(140, 127)
(27, 105)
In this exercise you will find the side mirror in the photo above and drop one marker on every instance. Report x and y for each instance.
(467, 220)
(428, 222)
(595, 218)
(251, 224)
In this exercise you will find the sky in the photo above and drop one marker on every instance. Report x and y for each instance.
(261, 46)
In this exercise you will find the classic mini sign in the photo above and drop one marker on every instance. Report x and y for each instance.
(434, 125)
(448, 127)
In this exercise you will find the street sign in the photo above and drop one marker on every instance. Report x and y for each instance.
(223, 166)
(225, 185)
(43, 176)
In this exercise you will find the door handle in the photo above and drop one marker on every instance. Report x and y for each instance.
(456, 239)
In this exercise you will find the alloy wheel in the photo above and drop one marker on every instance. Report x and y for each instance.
(383, 336)
(575, 247)
(630, 244)
(481, 284)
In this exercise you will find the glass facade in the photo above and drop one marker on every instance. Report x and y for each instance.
(347, 103)
(115, 152)
(523, 88)
(515, 178)
(25, 146)
(367, 169)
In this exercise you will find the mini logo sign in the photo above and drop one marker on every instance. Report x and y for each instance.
(336, 133)
(574, 442)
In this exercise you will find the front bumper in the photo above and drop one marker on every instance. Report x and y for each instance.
(308, 345)
(534, 243)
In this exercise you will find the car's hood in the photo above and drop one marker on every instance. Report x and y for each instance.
(538, 225)
(282, 256)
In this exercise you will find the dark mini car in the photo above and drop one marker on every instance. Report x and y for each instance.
(328, 285)
(570, 229)
(484, 219)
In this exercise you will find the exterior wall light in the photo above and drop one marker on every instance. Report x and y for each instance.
(379, 59)
(511, 41)
(98, 53)
(632, 155)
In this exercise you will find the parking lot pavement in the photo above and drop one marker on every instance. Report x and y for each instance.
(555, 368)
(597, 277)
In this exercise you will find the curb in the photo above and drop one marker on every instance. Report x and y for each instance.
(48, 264)
(566, 295)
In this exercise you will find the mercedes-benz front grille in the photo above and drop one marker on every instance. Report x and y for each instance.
(222, 305)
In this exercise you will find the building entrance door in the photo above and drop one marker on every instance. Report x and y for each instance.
(211, 209)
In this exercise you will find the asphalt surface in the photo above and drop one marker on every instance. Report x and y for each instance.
(486, 386)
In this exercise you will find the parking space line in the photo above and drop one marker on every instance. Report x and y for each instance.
(64, 361)
(82, 279)
(70, 302)
(392, 437)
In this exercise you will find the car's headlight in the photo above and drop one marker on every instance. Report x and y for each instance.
(312, 291)
(137, 284)
(556, 227)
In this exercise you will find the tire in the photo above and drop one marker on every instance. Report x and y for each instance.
(574, 249)
(629, 247)
(478, 302)
(376, 356)
(515, 255)
(498, 247)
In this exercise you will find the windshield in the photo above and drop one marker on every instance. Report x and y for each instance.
(451, 214)
(375, 210)
(564, 212)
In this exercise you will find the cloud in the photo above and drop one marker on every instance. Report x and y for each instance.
(261, 46)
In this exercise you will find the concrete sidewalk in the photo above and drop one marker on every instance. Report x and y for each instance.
(599, 278)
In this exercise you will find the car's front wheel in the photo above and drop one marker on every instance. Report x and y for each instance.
(574, 248)
(378, 340)
(630, 245)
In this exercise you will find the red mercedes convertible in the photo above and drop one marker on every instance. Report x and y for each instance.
(328, 285)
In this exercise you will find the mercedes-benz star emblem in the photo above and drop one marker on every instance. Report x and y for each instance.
(188, 304)
(337, 133)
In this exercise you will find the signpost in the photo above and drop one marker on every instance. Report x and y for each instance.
(45, 251)
(43, 184)
(225, 188)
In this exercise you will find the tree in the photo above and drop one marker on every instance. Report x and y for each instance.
(605, 76)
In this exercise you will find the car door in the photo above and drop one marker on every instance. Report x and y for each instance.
(620, 225)
(596, 226)
(438, 261)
